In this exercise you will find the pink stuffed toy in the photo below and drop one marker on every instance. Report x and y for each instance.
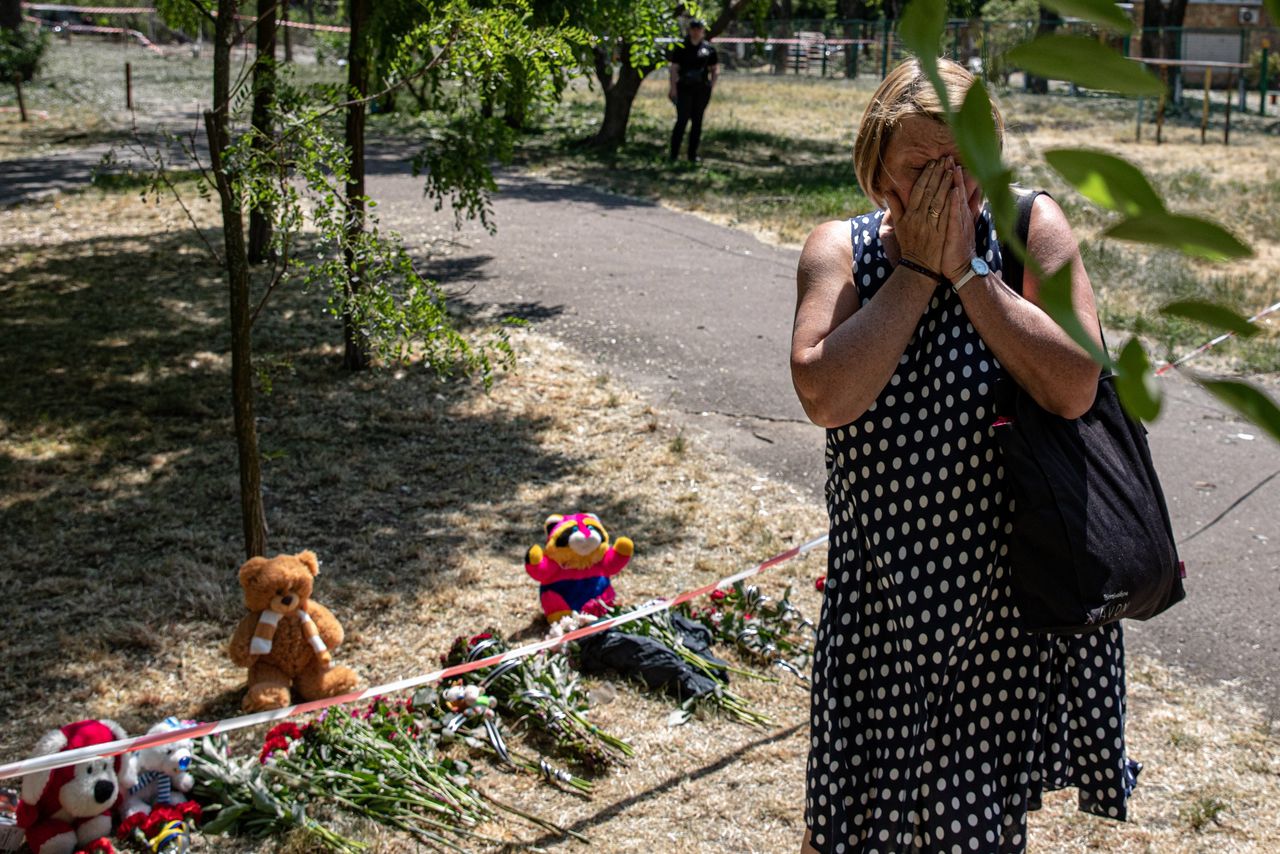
(69, 809)
(575, 566)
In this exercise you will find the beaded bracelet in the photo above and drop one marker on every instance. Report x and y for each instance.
(923, 270)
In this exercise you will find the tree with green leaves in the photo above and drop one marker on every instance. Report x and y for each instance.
(311, 186)
(625, 50)
(1106, 180)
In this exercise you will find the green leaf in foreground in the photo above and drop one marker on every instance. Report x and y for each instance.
(974, 128)
(1085, 62)
(1189, 234)
(1212, 314)
(1106, 180)
(226, 819)
(1135, 382)
(1055, 298)
(975, 131)
(921, 29)
(1249, 401)
(1102, 12)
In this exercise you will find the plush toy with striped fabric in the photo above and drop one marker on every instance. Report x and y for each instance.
(287, 639)
(163, 778)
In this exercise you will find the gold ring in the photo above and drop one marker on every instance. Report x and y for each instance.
(935, 214)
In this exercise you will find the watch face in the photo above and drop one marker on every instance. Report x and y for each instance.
(979, 266)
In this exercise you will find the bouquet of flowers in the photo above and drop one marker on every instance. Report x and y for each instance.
(381, 763)
(242, 797)
(660, 626)
(543, 694)
(463, 713)
(770, 632)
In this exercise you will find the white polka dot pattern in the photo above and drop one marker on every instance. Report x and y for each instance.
(936, 722)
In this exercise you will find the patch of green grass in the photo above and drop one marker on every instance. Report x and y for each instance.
(1131, 287)
(749, 176)
(130, 180)
(1206, 809)
(678, 445)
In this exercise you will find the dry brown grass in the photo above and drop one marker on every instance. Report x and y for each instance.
(119, 539)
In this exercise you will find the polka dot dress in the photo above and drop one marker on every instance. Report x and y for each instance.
(936, 721)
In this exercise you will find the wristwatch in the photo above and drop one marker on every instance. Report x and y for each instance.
(977, 267)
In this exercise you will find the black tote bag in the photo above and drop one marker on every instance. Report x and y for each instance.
(1091, 542)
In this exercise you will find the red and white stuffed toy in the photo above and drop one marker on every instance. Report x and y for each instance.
(69, 809)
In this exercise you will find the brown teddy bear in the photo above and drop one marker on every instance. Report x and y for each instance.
(286, 639)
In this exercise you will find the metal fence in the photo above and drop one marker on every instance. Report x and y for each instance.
(852, 48)
(311, 28)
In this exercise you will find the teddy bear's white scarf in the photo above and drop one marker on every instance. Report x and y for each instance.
(266, 632)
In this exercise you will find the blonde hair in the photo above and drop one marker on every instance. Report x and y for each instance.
(906, 91)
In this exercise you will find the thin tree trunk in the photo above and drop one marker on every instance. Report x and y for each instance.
(288, 35)
(1049, 21)
(355, 355)
(252, 511)
(852, 10)
(264, 94)
(11, 14)
(1155, 16)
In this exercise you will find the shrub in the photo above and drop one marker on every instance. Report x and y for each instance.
(21, 51)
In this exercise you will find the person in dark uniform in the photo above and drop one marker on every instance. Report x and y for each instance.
(694, 69)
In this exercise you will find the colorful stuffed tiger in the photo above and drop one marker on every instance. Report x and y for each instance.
(575, 565)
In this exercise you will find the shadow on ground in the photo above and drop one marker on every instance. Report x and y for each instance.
(119, 519)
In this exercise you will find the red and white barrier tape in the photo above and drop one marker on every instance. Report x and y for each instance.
(112, 31)
(91, 10)
(299, 25)
(150, 10)
(128, 745)
(812, 42)
(1168, 366)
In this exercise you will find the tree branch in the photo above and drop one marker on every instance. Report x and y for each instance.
(603, 72)
(391, 87)
(726, 17)
(208, 15)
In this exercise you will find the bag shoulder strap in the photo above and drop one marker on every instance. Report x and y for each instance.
(1012, 269)
(1011, 265)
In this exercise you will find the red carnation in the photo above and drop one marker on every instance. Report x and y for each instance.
(483, 636)
(718, 594)
(820, 583)
(270, 746)
(189, 811)
(288, 729)
(131, 823)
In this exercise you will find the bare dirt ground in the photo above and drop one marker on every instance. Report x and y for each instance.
(119, 532)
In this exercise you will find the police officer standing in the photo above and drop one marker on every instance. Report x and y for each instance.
(694, 69)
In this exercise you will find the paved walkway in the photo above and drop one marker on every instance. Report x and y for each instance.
(699, 317)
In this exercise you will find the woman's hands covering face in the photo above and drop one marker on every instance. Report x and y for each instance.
(921, 226)
(936, 226)
(958, 249)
